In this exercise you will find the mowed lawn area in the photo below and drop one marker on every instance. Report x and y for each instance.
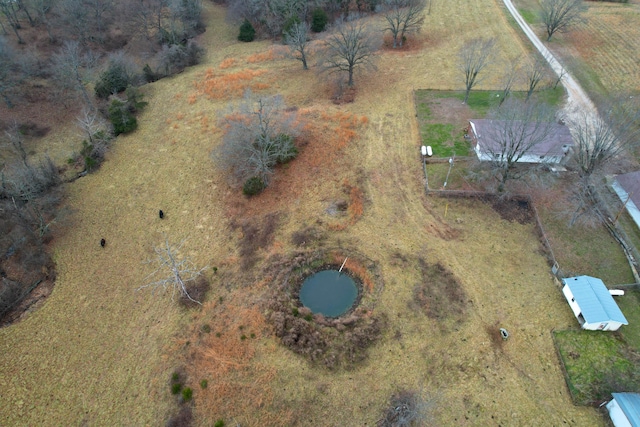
(98, 352)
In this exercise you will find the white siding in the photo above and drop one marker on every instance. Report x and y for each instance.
(618, 417)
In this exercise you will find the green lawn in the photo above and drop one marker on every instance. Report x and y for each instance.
(630, 306)
(443, 133)
(597, 363)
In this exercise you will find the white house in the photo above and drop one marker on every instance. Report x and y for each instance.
(624, 409)
(627, 187)
(485, 136)
(592, 304)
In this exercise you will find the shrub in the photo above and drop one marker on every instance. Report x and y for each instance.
(219, 423)
(253, 186)
(176, 388)
(286, 149)
(121, 117)
(114, 79)
(247, 32)
(319, 20)
(187, 394)
(203, 384)
(149, 75)
(206, 328)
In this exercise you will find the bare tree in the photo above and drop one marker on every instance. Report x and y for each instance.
(559, 15)
(403, 17)
(601, 138)
(297, 38)
(535, 72)
(474, 57)
(259, 135)
(559, 77)
(72, 69)
(20, 179)
(510, 75)
(9, 10)
(516, 128)
(11, 72)
(42, 9)
(175, 270)
(352, 45)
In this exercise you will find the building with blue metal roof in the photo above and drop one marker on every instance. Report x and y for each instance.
(624, 409)
(592, 304)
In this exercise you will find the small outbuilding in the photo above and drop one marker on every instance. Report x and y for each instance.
(592, 304)
(554, 149)
(627, 187)
(624, 409)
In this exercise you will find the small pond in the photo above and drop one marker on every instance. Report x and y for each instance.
(329, 292)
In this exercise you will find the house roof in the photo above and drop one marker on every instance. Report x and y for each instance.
(487, 132)
(630, 405)
(595, 301)
(630, 182)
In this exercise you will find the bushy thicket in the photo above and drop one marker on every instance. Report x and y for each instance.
(260, 134)
(122, 113)
(28, 208)
(173, 59)
(116, 78)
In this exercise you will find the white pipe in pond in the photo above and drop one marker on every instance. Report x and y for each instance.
(342, 266)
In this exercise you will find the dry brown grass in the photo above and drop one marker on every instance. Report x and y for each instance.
(99, 353)
(602, 51)
(608, 41)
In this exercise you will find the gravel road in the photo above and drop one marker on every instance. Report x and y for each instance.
(578, 102)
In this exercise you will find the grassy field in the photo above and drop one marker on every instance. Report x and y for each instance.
(99, 353)
(601, 52)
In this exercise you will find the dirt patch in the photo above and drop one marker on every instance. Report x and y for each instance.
(255, 234)
(440, 295)
(518, 210)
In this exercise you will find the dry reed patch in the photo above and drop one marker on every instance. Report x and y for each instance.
(227, 63)
(273, 52)
(333, 343)
(213, 85)
(220, 347)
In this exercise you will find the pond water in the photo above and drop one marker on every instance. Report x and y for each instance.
(329, 292)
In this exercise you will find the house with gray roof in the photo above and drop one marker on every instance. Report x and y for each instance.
(485, 135)
(627, 187)
(624, 409)
(592, 304)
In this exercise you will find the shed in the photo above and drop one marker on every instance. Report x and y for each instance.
(627, 187)
(624, 409)
(555, 148)
(592, 304)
